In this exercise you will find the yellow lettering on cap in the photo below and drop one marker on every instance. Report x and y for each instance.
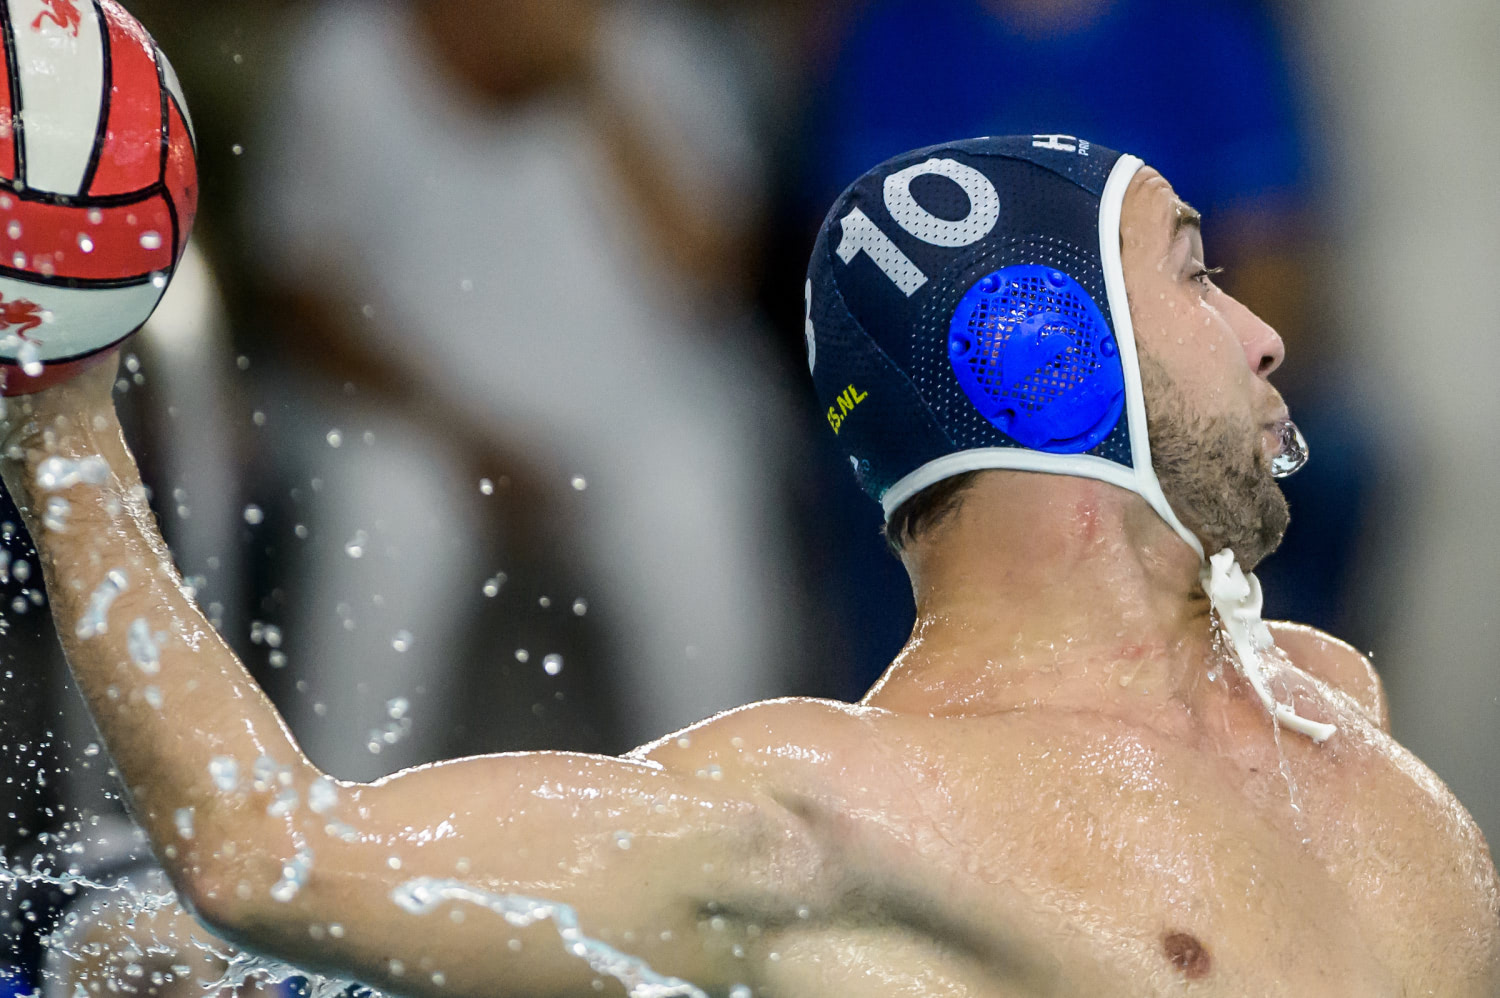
(847, 400)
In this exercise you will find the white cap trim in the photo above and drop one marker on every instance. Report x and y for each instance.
(1006, 459)
(1147, 485)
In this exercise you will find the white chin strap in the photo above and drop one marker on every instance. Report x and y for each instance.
(1236, 597)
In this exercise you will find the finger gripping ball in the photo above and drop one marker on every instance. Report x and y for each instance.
(98, 184)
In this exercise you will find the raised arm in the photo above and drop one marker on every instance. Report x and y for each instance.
(418, 883)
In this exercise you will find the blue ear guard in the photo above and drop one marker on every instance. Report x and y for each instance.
(1036, 357)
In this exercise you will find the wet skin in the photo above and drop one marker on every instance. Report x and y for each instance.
(1059, 788)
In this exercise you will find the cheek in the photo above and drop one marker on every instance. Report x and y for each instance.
(1194, 343)
(1174, 320)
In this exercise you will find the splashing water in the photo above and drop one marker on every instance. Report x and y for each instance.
(225, 771)
(1293, 454)
(96, 620)
(424, 895)
(30, 356)
(294, 874)
(58, 473)
(322, 796)
(144, 646)
(398, 727)
(55, 514)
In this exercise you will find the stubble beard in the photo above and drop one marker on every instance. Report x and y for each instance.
(1213, 472)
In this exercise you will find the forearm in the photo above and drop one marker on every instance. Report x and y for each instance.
(168, 695)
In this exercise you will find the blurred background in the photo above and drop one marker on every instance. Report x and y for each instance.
(479, 416)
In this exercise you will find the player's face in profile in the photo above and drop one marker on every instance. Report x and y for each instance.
(1205, 359)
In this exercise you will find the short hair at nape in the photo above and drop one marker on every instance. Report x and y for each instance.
(926, 510)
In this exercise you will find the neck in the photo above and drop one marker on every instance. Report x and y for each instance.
(1045, 586)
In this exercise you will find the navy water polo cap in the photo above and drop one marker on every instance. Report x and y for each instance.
(966, 310)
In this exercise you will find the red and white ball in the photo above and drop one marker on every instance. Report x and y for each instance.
(98, 184)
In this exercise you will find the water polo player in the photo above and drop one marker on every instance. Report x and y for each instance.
(1093, 769)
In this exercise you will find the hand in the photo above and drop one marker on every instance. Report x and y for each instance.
(78, 399)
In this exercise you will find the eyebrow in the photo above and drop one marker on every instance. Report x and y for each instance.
(1185, 217)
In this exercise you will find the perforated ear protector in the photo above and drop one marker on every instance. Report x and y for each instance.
(1033, 353)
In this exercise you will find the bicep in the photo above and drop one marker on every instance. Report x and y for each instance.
(451, 878)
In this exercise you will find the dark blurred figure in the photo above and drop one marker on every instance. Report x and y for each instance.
(1207, 94)
(522, 456)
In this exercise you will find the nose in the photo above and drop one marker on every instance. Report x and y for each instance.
(1264, 350)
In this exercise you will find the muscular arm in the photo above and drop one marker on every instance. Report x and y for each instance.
(284, 861)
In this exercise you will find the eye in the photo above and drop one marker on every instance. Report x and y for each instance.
(1205, 275)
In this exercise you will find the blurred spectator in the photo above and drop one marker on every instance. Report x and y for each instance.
(1204, 93)
(510, 240)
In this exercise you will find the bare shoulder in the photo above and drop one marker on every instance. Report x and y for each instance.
(782, 725)
(1337, 663)
(787, 747)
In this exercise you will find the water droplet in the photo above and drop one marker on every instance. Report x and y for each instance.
(159, 280)
(254, 515)
(85, 243)
(30, 356)
(294, 874)
(1293, 454)
(237, 149)
(58, 473)
(579, 483)
(522, 655)
(335, 438)
(486, 487)
(396, 708)
(402, 641)
(622, 840)
(55, 515)
(266, 634)
(492, 585)
(580, 607)
(225, 772)
(151, 240)
(13, 229)
(322, 796)
(183, 819)
(144, 646)
(95, 215)
(552, 664)
(285, 803)
(96, 620)
(153, 697)
(356, 546)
